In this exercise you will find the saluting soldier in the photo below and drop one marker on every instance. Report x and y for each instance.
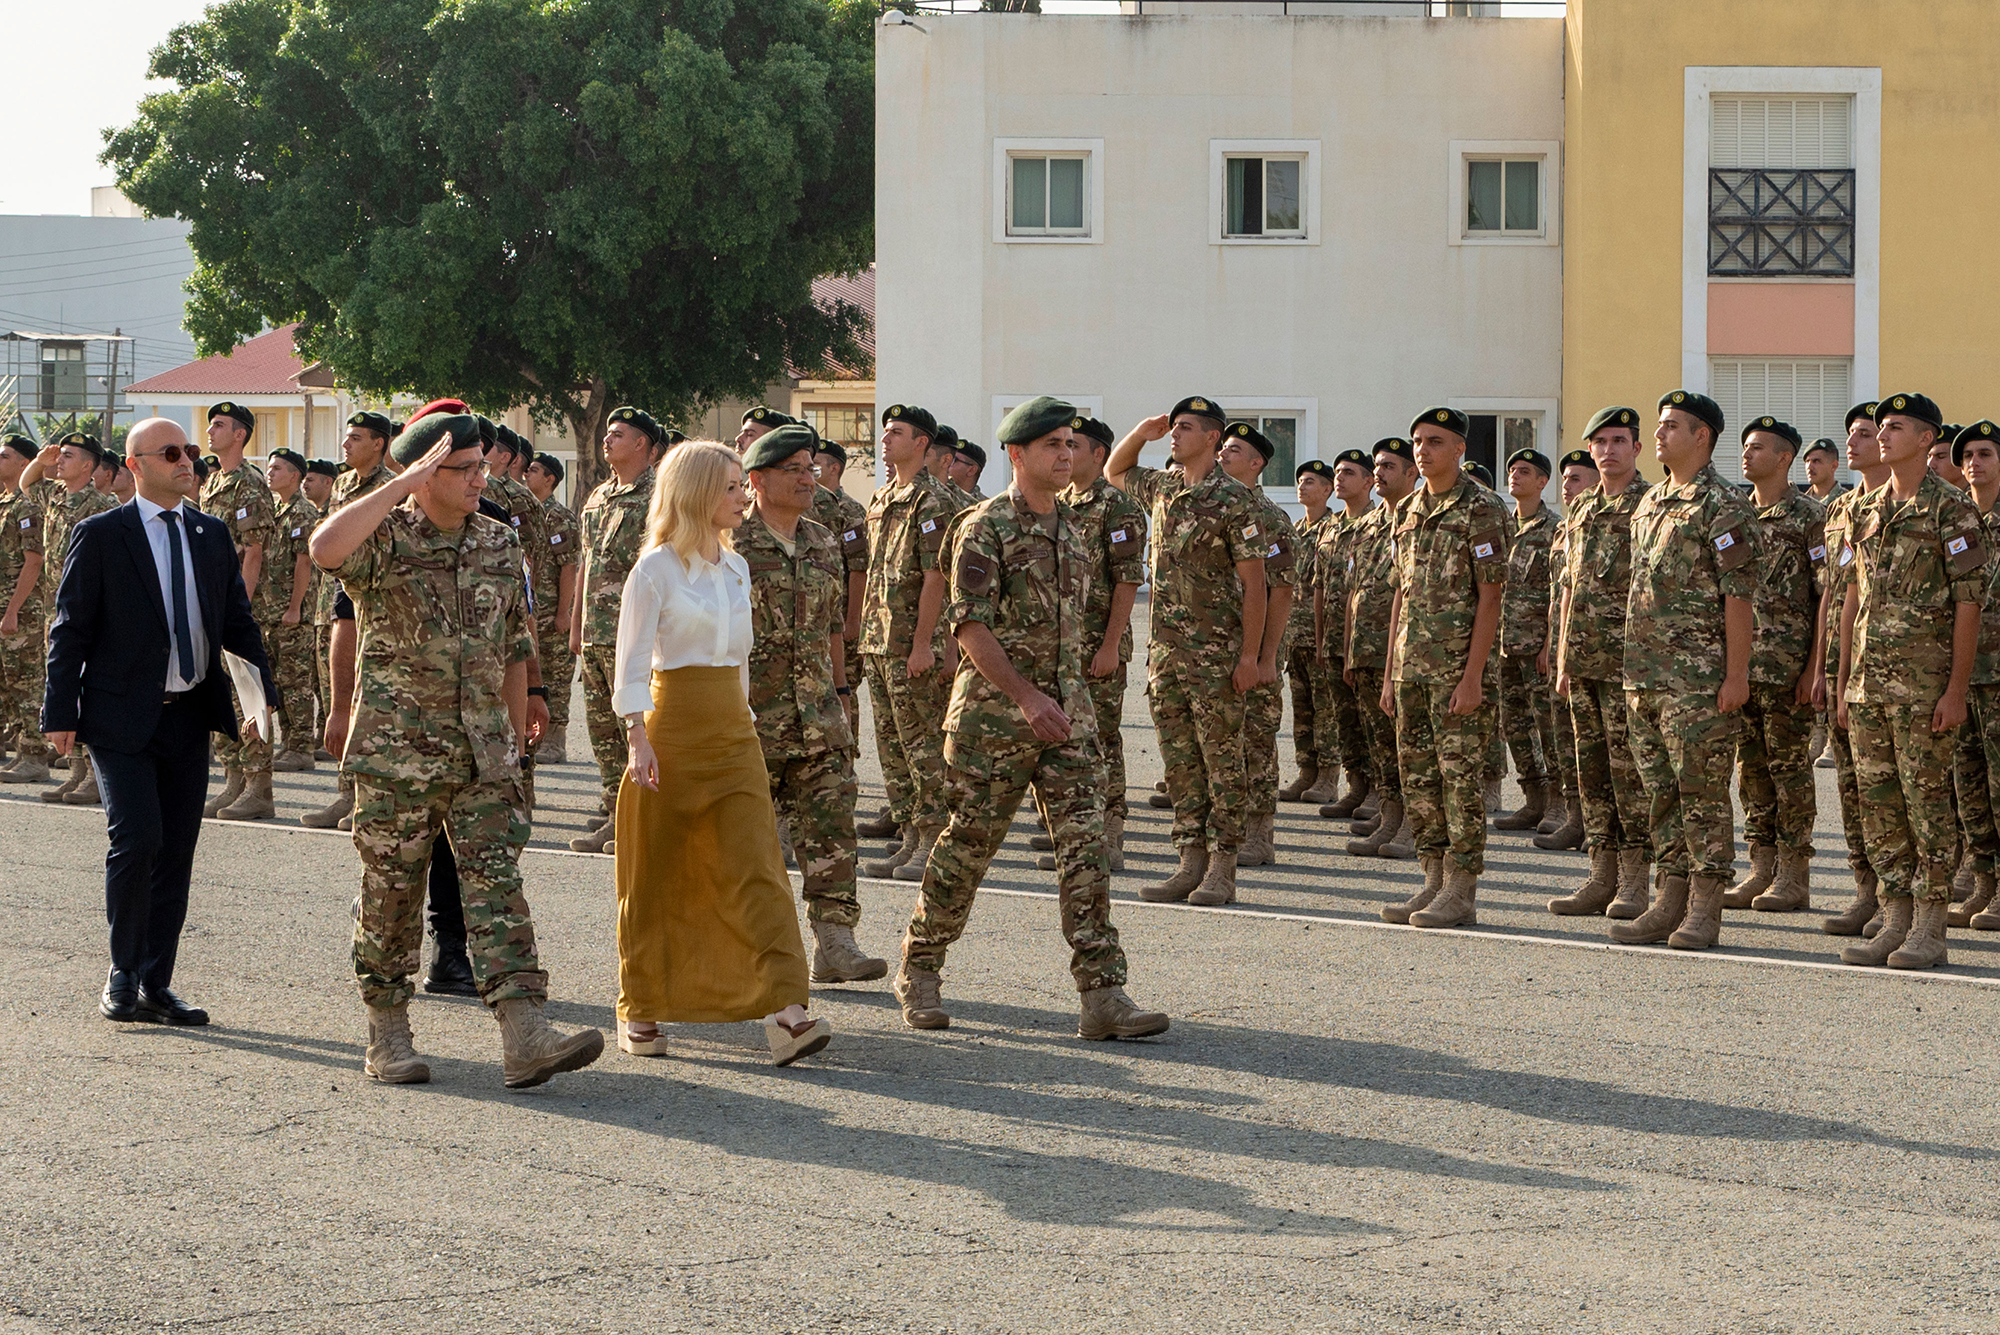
(282, 609)
(1342, 739)
(1245, 451)
(1208, 629)
(1562, 824)
(237, 495)
(555, 568)
(23, 627)
(1313, 480)
(797, 676)
(1371, 591)
(1021, 714)
(1976, 450)
(1526, 694)
(1451, 573)
(847, 519)
(59, 480)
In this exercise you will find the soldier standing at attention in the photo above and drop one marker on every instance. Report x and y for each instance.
(847, 519)
(1590, 674)
(555, 580)
(441, 712)
(614, 529)
(798, 675)
(1910, 623)
(281, 610)
(1245, 451)
(967, 464)
(1342, 741)
(504, 448)
(1208, 625)
(1020, 714)
(66, 499)
(22, 619)
(238, 496)
(939, 457)
(902, 640)
(1526, 693)
(1977, 451)
(1774, 766)
(756, 422)
(1822, 470)
(1313, 480)
(1562, 824)
(1451, 559)
(1371, 590)
(1689, 623)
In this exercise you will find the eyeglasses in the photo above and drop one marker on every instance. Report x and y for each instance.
(483, 467)
(798, 470)
(173, 454)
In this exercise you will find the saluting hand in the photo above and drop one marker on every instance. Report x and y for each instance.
(1153, 428)
(424, 469)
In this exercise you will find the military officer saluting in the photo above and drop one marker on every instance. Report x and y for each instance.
(1021, 713)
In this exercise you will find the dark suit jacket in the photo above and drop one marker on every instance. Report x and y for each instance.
(111, 640)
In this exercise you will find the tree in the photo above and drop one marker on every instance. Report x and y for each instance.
(566, 204)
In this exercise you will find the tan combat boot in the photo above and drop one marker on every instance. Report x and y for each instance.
(1218, 883)
(1457, 906)
(1160, 801)
(599, 840)
(879, 826)
(837, 959)
(1326, 792)
(1791, 891)
(1896, 917)
(1988, 919)
(552, 751)
(1856, 915)
(1109, 1013)
(885, 868)
(1982, 895)
(86, 793)
(255, 803)
(1114, 840)
(1296, 790)
(1632, 901)
(1924, 946)
(919, 992)
(1433, 865)
(232, 788)
(913, 868)
(1388, 822)
(1763, 873)
(1534, 805)
(292, 762)
(1597, 890)
(1194, 866)
(1701, 926)
(333, 812)
(26, 769)
(1404, 846)
(68, 785)
(1567, 835)
(1489, 796)
(1962, 880)
(1658, 922)
(392, 1050)
(532, 1052)
(1552, 819)
(1256, 850)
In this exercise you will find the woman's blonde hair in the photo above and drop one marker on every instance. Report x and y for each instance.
(687, 487)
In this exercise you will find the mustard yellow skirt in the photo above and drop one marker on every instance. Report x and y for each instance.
(707, 932)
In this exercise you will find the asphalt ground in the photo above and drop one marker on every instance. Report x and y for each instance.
(1350, 1126)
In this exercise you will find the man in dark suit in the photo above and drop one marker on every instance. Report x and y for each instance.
(150, 597)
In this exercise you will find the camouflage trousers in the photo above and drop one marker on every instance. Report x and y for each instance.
(1443, 758)
(607, 732)
(1976, 775)
(323, 671)
(1107, 698)
(1903, 772)
(22, 667)
(1336, 720)
(1608, 783)
(852, 700)
(1384, 771)
(1841, 744)
(1527, 717)
(814, 798)
(1306, 707)
(986, 788)
(909, 736)
(1685, 750)
(395, 822)
(1773, 771)
(1496, 740)
(1198, 718)
(250, 757)
(290, 649)
(1263, 716)
(1565, 759)
(558, 674)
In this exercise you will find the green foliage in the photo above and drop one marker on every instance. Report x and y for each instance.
(561, 203)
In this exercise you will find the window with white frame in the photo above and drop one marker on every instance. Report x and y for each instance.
(1503, 192)
(1503, 196)
(1047, 194)
(1812, 393)
(1782, 186)
(1282, 430)
(1263, 195)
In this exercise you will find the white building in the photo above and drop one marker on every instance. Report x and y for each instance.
(1327, 223)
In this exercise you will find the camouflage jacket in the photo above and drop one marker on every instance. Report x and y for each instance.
(242, 500)
(1370, 543)
(1524, 610)
(1025, 577)
(1200, 531)
(62, 511)
(794, 608)
(20, 537)
(1283, 554)
(847, 519)
(613, 526)
(1446, 547)
(1692, 546)
(293, 523)
(559, 548)
(1333, 554)
(1790, 578)
(1299, 632)
(1114, 533)
(526, 514)
(442, 617)
(906, 532)
(1913, 562)
(1598, 582)
(1986, 662)
(345, 488)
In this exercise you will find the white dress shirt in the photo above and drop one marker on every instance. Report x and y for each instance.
(679, 614)
(156, 536)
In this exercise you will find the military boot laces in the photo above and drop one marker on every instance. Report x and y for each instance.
(1433, 886)
(1218, 883)
(532, 1052)
(1791, 890)
(1763, 875)
(1109, 1013)
(256, 801)
(1701, 926)
(1896, 915)
(392, 1049)
(1658, 922)
(1633, 899)
(920, 992)
(1924, 946)
(1982, 895)
(85, 794)
(1598, 889)
(1457, 906)
(1404, 845)
(1194, 866)
(1325, 790)
(838, 959)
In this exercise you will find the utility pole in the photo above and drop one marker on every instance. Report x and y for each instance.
(111, 385)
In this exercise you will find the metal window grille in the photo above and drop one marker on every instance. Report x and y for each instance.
(1764, 222)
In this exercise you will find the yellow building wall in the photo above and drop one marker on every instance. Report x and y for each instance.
(1624, 90)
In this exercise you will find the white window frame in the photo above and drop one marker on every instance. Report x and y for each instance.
(1548, 433)
(998, 466)
(1307, 446)
(1092, 153)
(1462, 152)
(1219, 153)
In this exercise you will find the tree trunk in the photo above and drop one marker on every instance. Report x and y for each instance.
(586, 428)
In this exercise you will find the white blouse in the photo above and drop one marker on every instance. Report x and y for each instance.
(675, 615)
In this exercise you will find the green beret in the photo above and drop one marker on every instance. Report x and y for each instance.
(1860, 412)
(834, 448)
(1397, 446)
(1532, 458)
(1784, 430)
(325, 467)
(944, 438)
(1612, 416)
(421, 435)
(1951, 430)
(375, 422)
(510, 440)
(774, 447)
(917, 419)
(1319, 468)
(1034, 419)
(1479, 474)
(1920, 406)
(1359, 458)
(1198, 406)
(1581, 458)
(235, 412)
(83, 440)
(1698, 406)
(19, 443)
(1451, 419)
(1094, 429)
(1827, 444)
(1262, 442)
(674, 437)
(489, 431)
(1980, 430)
(292, 457)
(549, 464)
(770, 417)
(203, 467)
(971, 453)
(639, 420)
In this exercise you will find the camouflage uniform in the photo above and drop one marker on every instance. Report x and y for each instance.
(442, 617)
(1339, 736)
(847, 519)
(22, 659)
(1564, 761)
(1114, 535)
(559, 548)
(1526, 696)
(1599, 580)
(1446, 548)
(1978, 759)
(1839, 529)
(1913, 562)
(808, 746)
(1200, 531)
(906, 534)
(242, 501)
(62, 511)
(1371, 592)
(1264, 706)
(1296, 664)
(1025, 577)
(1692, 546)
(345, 488)
(1775, 774)
(290, 648)
(614, 529)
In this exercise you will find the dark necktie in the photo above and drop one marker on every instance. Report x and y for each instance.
(177, 576)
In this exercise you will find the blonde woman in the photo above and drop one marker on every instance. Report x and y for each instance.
(706, 928)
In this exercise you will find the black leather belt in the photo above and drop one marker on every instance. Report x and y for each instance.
(175, 697)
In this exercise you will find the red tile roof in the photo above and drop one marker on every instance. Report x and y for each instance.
(857, 291)
(265, 364)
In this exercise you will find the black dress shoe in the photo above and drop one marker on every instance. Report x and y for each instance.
(159, 1005)
(121, 996)
(450, 973)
